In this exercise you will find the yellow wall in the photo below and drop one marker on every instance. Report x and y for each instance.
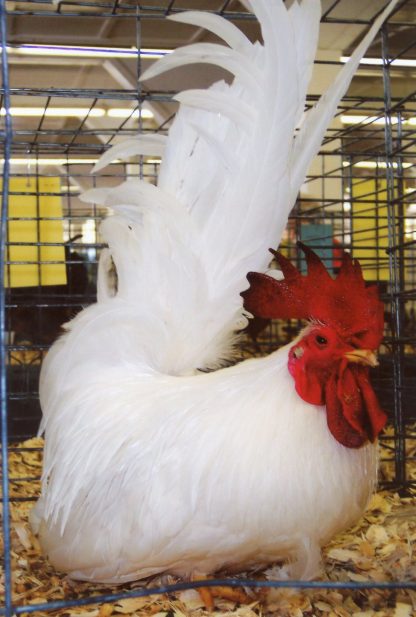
(44, 208)
(369, 235)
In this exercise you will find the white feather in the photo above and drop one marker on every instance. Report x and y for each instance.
(224, 29)
(305, 22)
(221, 103)
(152, 144)
(209, 53)
(106, 288)
(223, 155)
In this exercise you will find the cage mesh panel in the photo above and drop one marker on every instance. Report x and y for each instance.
(359, 196)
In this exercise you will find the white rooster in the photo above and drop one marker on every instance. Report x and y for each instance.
(151, 464)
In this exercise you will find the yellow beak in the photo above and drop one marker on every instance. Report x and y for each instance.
(362, 356)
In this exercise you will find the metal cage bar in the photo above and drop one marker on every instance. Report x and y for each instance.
(7, 137)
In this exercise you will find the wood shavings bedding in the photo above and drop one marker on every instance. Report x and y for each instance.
(380, 548)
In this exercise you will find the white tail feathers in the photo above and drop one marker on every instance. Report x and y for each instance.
(232, 167)
(217, 25)
(241, 113)
(143, 144)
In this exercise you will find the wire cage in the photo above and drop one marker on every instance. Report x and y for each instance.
(357, 197)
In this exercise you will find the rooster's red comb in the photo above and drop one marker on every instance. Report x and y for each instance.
(344, 302)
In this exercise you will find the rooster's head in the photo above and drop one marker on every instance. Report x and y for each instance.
(331, 359)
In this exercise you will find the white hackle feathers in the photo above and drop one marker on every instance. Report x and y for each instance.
(151, 465)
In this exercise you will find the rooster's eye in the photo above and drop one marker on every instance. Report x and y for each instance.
(321, 340)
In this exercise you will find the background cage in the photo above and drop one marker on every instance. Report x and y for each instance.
(360, 195)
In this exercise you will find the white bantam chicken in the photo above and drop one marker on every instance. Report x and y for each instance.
(152, 464)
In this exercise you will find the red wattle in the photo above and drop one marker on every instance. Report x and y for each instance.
(339, 426)
(354, 415)
(376, 416)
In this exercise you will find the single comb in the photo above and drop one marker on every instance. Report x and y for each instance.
(344, 302)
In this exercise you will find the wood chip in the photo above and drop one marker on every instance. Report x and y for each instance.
(403, 610)
(106, 610)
